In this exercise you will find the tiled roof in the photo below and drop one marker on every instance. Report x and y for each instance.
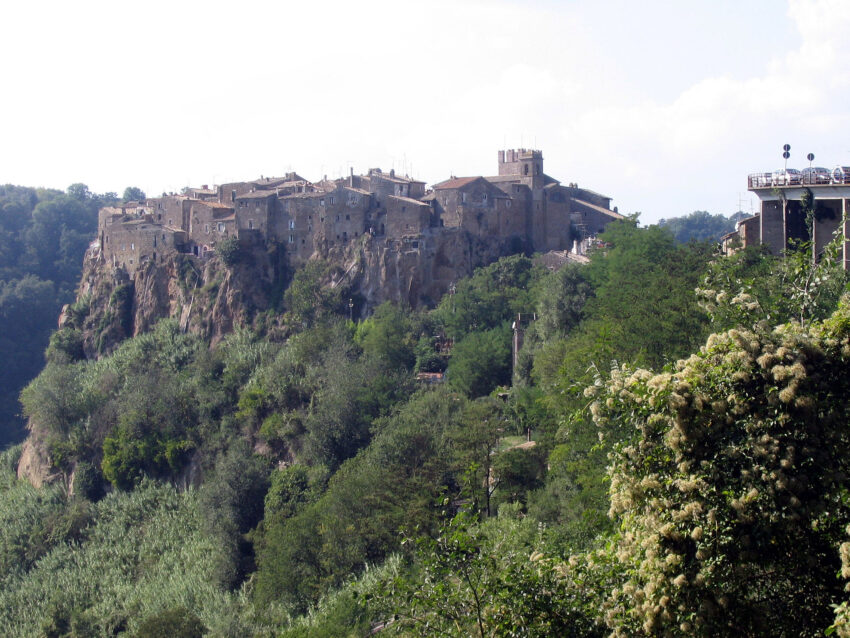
(257, 195)
(408, 200)
(457, 182)
(357, 190)
(395, 178)
(598, 208)
(304, 195)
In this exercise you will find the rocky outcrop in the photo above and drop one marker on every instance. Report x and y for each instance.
(34, 464)
(205, 295)
(417, 271)
(211, 298)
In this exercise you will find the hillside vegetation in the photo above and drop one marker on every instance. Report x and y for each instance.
(686, 478)
(43, 236)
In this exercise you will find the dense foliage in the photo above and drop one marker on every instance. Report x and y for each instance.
(43, 236)
(667, 457)
(701, 225)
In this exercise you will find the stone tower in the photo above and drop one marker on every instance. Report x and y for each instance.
(527, 164)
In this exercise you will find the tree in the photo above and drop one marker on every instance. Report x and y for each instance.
(729, 482)
(177, 622)
(699, 226)
(386, 335)
(491, 297)
(307, 298)
(133, 194)
(481, 362)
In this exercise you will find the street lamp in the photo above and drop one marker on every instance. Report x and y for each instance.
(350, 309)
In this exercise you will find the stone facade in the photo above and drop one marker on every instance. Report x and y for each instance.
(521, 205)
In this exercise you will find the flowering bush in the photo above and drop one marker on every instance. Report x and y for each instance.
(729, 482)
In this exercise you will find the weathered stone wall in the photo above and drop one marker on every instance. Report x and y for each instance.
(406, 216)
(772, 229)
(209, 222)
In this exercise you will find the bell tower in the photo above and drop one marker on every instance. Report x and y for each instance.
(524, 163)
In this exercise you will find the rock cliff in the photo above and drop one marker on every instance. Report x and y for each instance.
(211, 298)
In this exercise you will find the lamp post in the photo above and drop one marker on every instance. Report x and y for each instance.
(350, 309)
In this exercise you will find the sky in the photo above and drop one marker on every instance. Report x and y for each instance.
(663, 105)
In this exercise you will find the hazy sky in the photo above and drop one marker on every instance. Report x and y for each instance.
(663, 105)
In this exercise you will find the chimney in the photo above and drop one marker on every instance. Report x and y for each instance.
(233, 195)
(392, 172)
(351, 177)
(205, 186)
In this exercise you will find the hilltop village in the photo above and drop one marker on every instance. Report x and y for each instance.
(520, 206)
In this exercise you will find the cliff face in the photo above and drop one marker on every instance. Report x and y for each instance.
(417, 272)
(206, 296)
(212, 298)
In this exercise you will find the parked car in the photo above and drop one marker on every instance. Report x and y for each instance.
(816, 175)
(841, 175)
(786, 177)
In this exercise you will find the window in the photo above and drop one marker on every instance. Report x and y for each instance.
(333, 200)
(132, 246)
(292, 239)
(291, 224)
(220, 227)
(348, 217)
(207, 229)
(525, 170)
(484, 197)
(463, 198)
(322, 202)
(123, 246)
(251, 224)
(508, 204)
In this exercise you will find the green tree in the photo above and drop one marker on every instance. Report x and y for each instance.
(700, 225)
(492, 296)
(481, 362)
(386, 335)
(177, 622)
(133, 194)
(729, 483)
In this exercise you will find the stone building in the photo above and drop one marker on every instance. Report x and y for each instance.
(521, 206)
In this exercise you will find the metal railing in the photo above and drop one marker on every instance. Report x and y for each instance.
(839, 175)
